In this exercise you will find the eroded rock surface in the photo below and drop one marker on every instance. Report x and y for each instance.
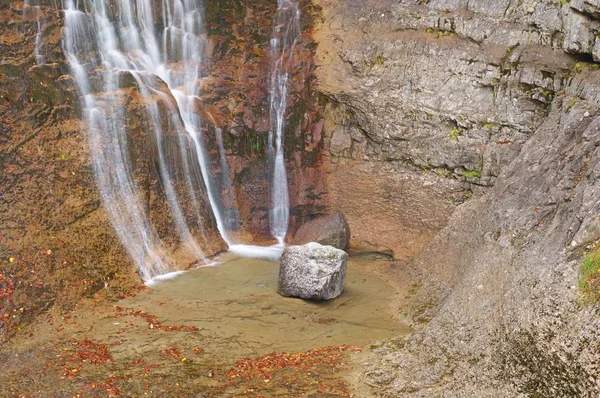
(312, 271)
(513, 322)
(443, 92)
(493, 98)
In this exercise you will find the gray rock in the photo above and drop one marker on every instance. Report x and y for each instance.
(312, 271)
(589, 7)
(596, 50)
(579, 33)
(332, 230)
(340, 143)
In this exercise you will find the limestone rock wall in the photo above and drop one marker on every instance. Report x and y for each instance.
(515, 323)
(491, 103)
(452, 89)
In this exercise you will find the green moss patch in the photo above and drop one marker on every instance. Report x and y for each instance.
(589, 280)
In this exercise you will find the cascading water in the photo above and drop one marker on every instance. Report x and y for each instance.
(110, 41)
(285, 36)
(231, 214)
(154, 116)
(105, 40)
(32, 6)
(182, 46)
(105, 116)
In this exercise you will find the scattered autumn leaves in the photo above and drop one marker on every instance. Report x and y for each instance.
(172, 353)
(87, 368)
(94, 353)
(75, 355)
(314, 371)
(152, 321)
(33, 280)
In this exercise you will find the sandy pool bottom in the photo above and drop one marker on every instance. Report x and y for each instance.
(221, 332)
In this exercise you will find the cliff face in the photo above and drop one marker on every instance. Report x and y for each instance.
(462, 136)
(57, 243)
(445, 100)
(449, 90)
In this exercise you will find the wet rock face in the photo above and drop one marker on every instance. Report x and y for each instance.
(54, 233)
(143, 158)
(56, 241)
(312, 271)
(332, 230)
(236, 98)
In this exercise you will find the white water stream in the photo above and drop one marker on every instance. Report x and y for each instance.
(285, 36)
(32, 7)
(108, 41)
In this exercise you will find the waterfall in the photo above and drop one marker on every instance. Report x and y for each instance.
(154, 49)
(183, 46)
(231, 213)
(83, 35)
(107, 40)
(32, 6)
(154, 116)
(285, 36)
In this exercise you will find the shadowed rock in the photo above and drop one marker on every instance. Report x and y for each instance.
(332, 230)
(312, 271)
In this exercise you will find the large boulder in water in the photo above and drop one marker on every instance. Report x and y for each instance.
(332, 230)
(312, 271)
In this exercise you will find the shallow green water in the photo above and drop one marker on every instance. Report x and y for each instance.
(236, 305)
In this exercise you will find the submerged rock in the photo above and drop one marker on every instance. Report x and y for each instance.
(332, 230)
(312, 271)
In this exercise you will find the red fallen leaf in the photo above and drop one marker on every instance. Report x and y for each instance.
(325, 320)
(198, 351)
(172, 353)
(109, 386)
(153, 322)
(92, 352)
(149, 367)
(138, 361)
(71, 373)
